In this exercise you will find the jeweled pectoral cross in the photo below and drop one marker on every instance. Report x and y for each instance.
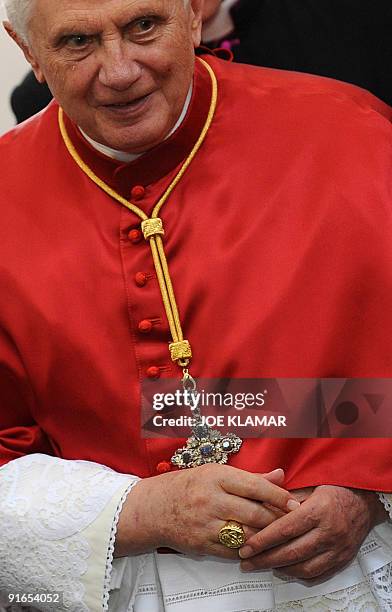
(206, 445)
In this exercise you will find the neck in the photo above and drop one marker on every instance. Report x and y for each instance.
(125, 157)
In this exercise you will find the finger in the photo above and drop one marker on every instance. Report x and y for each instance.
(276, 476)
(321, 566)
(217, 549)
(248, 512)
(282, 530)
(222, 552)
(302, 495)
(254, 486)
(277, 512)
(293, 553)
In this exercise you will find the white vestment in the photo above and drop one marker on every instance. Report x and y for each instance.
(58, 523)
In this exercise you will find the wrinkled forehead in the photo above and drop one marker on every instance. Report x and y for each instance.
(58, 10)
(81, 6)
(51, 19)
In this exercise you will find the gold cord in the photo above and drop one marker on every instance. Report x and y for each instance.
(152, 227)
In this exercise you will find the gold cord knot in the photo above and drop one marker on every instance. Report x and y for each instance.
(152, 227)
(180, 350)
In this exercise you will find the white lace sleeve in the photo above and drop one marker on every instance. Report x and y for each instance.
(57, 530)
(386, 499)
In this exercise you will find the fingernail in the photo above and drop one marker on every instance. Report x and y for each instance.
(277, 472)
(292, 504)
(245, 552)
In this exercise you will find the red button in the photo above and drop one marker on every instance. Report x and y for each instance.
(135, 236)
(145, 326)
(153, 372)
(141, 279)
(163, 467)
(138, 192)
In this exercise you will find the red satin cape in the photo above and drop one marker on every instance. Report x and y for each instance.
(279, 245)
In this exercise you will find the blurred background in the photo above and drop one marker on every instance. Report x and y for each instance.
(13, 68)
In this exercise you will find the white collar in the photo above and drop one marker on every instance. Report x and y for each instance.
(124, 157)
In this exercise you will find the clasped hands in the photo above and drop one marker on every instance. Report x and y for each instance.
(308, 534)
(319, 538)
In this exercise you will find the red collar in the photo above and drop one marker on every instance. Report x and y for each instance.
(161, 160)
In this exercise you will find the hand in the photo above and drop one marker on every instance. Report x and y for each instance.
(319, 538)
(299, 495)
(185, 510)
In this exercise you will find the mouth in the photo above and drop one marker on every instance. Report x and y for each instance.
(129, 106)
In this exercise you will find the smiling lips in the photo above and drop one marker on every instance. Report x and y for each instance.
(130, 104)
(128, 111)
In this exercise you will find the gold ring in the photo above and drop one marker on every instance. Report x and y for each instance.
(232, 535)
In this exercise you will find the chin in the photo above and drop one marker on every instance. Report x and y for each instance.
(133, 134)
(136, 143)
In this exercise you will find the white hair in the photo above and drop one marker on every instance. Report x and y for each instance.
(19, 12)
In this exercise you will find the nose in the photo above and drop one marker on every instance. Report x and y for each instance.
(118, 70)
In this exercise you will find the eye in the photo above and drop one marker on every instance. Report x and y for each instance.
(78, 41)
(145, 25)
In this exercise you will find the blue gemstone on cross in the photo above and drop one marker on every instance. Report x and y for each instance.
(206, 450)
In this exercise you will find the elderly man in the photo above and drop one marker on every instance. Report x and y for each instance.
(241, 215)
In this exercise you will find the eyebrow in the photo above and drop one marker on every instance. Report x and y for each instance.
(85, 27)
(73, 27)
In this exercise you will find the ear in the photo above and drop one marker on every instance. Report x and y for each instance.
(196, 9)
(210, 8)
(26, 51)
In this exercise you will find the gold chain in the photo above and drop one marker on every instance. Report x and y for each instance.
(153, 230)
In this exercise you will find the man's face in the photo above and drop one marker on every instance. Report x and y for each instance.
(121, 69)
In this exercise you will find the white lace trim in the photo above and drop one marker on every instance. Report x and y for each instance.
(45, 504)
(386, 499)
(141, 568)
(185, 583)
(112, 542)
(372, 595)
